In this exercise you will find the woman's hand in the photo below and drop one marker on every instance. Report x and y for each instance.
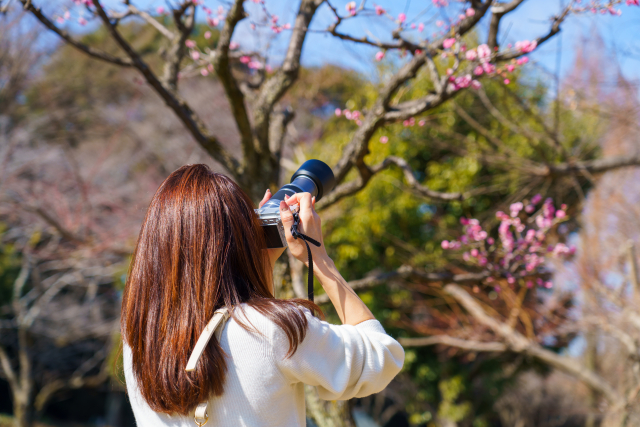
(310, 225)
(274, 254)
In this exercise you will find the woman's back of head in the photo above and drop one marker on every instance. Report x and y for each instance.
(200, 248)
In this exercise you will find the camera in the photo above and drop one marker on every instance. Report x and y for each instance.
(313, 177)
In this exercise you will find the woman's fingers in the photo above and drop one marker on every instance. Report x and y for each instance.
(287, 221)
(304, 200)
(265, 199)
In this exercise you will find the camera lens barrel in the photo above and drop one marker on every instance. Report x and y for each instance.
(314, 177)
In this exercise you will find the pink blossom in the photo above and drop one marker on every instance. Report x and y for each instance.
(245, 59)
(420, 27)
(439, 23)
(82, 21)
(401, 18)
(445, 244)
(548, 285)
(491, 240)
(463, 82)
(560, 214)
(474, 252)
(384, 139)
(233, 45)
(190, 44)
(255, 65)
(536, 199)
(207, 35)
(60, 20)
(484, 53)
(351, 8)
(522, 61)
(380, 10)
(447, 43)
(338, 112)
(195, 55)
(160, 10)
(422, 122)
(526, 46)
(515, 209)
(413, 26)
(440, 3)
(633, 2)
(286, 26)
(489, 68)
(478, 70)
(204, 72)
(470, 12)
(213, 22)
(67, 14)
(510, 68)
(476, 84)
(379, 55)
(471, 55)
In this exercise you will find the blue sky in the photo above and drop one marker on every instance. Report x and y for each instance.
(530, 20)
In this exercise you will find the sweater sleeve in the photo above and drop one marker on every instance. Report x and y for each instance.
(342, 361)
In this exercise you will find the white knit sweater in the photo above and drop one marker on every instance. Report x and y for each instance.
(264, 388)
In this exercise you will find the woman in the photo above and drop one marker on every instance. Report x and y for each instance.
(201, 248)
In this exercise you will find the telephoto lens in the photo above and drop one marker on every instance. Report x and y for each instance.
(313, 177)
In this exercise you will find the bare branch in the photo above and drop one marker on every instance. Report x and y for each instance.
(188, 117)
(8, 369)
(447, 340)
(520, 344)
(366, 173)
(497, 12)
(177, 50)
(153, 22)
(406, 272)
(555, 29)
(590, 166)
(96, 53)
(275, 87)
(235, 96)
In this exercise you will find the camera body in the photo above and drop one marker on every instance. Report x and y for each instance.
(314, 177)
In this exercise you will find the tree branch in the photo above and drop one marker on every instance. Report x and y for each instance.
(366, 173)
(406, 272)
(275, 87)
(96, 53)
(447, 340)
(355, 151)
(235, 96)
(153, 22)
(555, 29)
(592, 166)
(497, 12)
(520, 344)
(177, 50)
(182, 110)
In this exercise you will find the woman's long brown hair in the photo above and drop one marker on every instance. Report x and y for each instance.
(200, 248)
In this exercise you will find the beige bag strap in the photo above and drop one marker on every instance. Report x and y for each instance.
(215, 325)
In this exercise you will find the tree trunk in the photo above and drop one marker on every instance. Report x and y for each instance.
(335, 413)
(22, 409)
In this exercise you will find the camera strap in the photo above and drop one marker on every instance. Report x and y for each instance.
(298, 235)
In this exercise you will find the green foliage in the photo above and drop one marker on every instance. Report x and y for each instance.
(10, 263)
(385, 226)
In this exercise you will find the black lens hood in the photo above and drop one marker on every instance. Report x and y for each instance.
(320, 173)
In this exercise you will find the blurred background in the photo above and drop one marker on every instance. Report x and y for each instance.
(487, 209)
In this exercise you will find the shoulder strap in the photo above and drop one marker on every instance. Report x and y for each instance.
(215, 325)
